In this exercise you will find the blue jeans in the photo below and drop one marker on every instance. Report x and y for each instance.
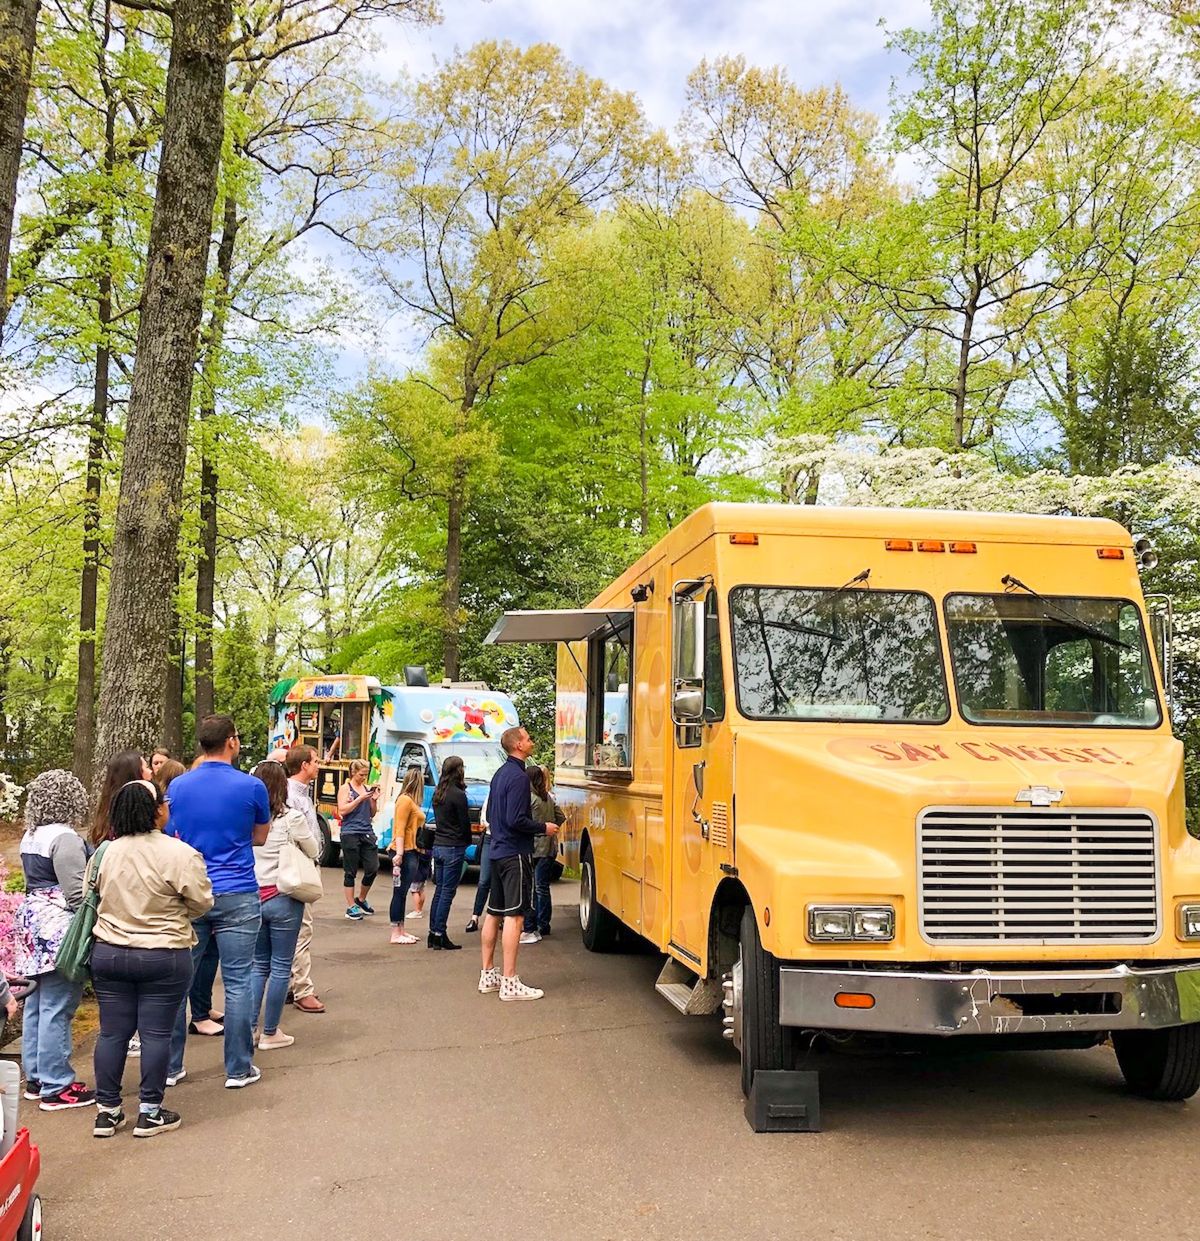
(410, 868)
(203, 977)
(485, 875)
(233, 921)
(46, 1032)
(447, 871)
(538, 918)
(273, 957)
(139, 990)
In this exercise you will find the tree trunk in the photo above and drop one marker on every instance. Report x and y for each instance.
(206, 566)
(5, 669)
(964, 370)
(452, 598)
(18, 35)
(145, 545)
(644, 448)
(172, 727)
(85, 675)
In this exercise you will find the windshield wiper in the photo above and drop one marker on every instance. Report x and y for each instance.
(1069, 617)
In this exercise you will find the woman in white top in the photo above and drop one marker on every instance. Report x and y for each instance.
(281, 914)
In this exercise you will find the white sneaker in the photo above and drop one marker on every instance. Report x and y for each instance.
(514, 989)
(135, 1046)
(416, 913)
(173, 1079)
(269, 1042)
(530, 937)
(489, 981)
(236, 1083)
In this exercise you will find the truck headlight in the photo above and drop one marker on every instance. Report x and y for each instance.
(1188, 921)
(828, 923)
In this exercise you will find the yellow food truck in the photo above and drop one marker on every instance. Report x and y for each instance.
(876, 772)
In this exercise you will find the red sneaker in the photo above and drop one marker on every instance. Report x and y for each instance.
(75, 1095)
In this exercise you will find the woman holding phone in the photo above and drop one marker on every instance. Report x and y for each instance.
(360, 848)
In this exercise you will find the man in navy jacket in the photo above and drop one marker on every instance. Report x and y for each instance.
(513, 828)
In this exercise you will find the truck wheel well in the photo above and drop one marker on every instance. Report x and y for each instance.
(724, 925)
(585, 846)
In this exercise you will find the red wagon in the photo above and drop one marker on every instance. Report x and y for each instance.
(20, 1160)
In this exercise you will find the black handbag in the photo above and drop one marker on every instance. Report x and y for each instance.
(424, 837)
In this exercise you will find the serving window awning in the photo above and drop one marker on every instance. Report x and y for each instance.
(565, 625)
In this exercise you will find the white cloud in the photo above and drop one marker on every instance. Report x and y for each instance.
(650, 46)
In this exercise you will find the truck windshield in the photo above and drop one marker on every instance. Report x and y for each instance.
(855, 654)
(1051, 660)
(481, 759)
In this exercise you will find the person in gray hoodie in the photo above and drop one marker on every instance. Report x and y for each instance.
(54, 857)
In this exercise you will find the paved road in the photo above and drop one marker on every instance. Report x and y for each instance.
(417, 1109)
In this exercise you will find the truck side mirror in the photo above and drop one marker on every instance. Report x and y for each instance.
(1162, 636)
(687, 697)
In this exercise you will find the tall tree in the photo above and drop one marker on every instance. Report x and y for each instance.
(505, 149)
(18, 33)
(140, 613)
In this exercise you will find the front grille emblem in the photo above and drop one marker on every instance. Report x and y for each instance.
(1039, 795)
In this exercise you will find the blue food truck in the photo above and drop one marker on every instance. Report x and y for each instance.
(393, 727)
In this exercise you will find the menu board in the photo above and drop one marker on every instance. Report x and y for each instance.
(309, 717)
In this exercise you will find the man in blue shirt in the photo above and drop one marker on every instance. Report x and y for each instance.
(223, 813)
(513, 828)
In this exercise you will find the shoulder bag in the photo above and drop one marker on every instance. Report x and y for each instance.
(299, 874)
(74, 956)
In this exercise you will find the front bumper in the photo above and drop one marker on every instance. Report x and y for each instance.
(993, 1001)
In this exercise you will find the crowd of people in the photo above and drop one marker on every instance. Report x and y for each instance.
(191, 871)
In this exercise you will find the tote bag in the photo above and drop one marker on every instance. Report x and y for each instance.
(299, 875)
(74, 957)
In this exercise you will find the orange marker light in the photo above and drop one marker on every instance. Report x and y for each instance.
(744, 540)
(967, 548)
(854, 999)
(1110, 553)
(898, 545)
(931, 545)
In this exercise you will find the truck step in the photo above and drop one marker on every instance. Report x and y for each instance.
(694, 996)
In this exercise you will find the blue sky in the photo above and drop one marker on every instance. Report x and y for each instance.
(648, 47)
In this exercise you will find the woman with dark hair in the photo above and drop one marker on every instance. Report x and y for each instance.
(450, 842)
(406, 818)
(53, 857)
(151, 886)
(281, 914)
(124, 766)
(544, 809)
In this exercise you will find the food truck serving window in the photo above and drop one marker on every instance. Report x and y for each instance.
(806, 654)
(1051, 660)
(610, 673)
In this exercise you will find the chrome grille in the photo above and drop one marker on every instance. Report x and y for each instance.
(1038, 876)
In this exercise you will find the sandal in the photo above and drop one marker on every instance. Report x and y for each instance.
(193, 1028)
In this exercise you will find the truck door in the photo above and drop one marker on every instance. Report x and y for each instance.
(701, 784)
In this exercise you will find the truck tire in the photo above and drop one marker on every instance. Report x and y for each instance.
(329, 854)
(765, 1044)
(1160, 1064)
(601, 930)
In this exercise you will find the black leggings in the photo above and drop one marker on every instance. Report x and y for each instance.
(140, 991)
(359, 852)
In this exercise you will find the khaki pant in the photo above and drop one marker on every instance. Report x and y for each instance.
(302, 983)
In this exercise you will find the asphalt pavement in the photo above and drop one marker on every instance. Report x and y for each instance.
(417, 1109)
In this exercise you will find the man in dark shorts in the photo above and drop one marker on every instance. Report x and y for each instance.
(513, 829)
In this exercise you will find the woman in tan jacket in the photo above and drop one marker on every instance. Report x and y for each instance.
(151, 887)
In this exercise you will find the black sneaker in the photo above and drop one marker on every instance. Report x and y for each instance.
(33, 1089)
(473, 925)
(75, 1095)
(367, 909)
(149, 1125)
(107, 1123)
